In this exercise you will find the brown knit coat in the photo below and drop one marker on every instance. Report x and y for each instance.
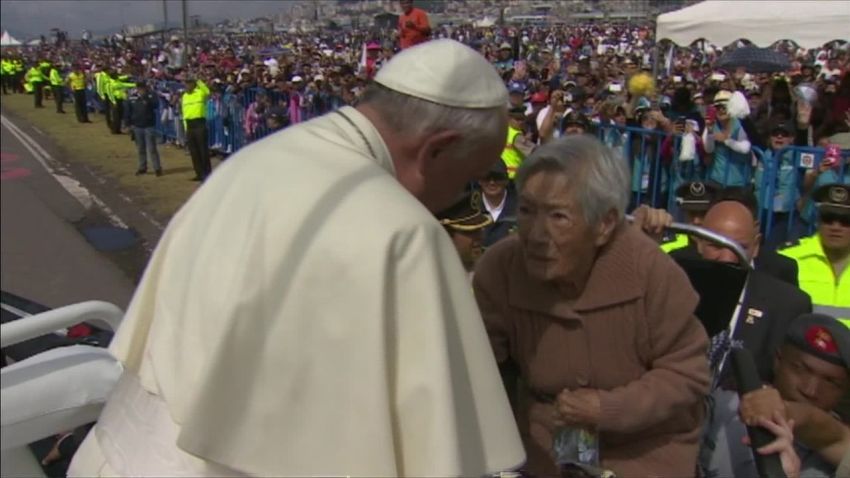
(632, 335)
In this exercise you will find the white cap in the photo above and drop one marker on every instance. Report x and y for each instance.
(296, 79)
(445, 72)
(319, 78)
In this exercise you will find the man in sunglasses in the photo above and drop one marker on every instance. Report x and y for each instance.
(499, 202)
(783, 195)
(823, 259)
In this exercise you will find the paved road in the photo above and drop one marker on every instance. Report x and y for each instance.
(43, 254)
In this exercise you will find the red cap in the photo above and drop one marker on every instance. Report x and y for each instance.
(539, 97)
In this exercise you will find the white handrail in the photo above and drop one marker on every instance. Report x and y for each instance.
(96, 311)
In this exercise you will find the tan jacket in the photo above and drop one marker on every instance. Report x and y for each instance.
(632, 334)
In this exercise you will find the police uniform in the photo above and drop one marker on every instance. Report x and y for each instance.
(694, 197)
(830, 294)
(194, 110)
(465, 215)
(77, 81)
(511, 155)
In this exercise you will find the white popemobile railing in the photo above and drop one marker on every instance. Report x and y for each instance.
(54, 391)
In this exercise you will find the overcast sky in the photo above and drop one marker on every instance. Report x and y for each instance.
(26, 18)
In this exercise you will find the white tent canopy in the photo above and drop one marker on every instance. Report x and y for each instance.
(8, 40)
(809, 24)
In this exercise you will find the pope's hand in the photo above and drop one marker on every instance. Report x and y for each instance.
(579, 407)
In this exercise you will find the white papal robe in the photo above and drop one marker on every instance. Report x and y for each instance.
(304, 315)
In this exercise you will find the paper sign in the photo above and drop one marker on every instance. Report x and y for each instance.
(807, 160)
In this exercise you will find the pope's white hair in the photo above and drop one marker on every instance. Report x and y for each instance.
(598, 176)
(410, 115)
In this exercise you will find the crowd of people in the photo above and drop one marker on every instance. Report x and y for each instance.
(595, 332)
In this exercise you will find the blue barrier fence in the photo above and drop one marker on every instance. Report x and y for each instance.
(782, 181)
(791, 174)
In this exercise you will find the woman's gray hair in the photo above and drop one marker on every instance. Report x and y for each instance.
(598, 176)
(409, 115)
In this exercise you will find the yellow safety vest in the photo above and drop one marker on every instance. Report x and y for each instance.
(34, 75)
(118, 87)
(55, 77)
(195, 103)
(100, 79)
(679, 242)
(829, 295)
(510, 155)
(19, 66)
(77, 80)
(6, 67)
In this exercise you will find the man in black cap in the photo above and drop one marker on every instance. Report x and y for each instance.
(499, 202)
(693, 199)
(575, 123)
(822, 259)
(465, 223)
(784, 194)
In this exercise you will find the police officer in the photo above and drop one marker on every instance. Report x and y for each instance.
(77, 82)
(194, 103)
(575, 123)
(823, 258)
(517, 147)
(117, 92)
(36, 79)
(57, 87)
(693, 198)
(6, 71)
(465, 222)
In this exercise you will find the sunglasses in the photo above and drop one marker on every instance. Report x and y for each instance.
(832, 217)
(780, 133)
(495, 177)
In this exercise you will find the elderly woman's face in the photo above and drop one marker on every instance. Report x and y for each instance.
(558, 244)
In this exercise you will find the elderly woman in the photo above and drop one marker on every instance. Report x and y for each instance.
(598, 321)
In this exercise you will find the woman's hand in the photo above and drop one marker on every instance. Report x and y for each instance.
(579, 407)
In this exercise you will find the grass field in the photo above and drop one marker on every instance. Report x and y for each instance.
(114, 157)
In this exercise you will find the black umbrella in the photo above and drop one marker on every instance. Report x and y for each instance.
(754, 60)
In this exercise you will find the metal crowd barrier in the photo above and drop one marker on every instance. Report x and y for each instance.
(786, 208)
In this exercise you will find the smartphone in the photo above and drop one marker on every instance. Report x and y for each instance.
(718, 77)
(677, 79)
(615, 87)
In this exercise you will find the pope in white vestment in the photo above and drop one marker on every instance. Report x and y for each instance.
(304, 315)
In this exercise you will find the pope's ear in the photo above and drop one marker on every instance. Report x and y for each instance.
(436, 146)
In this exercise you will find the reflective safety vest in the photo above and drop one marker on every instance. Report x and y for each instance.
(55, 77)
(77, 81)
(510, 155)
(119, 86)
(100, 80)
(830, 295)
(194, 104)
(34, 75)
(6, 67)
(18, 66)
(680, 241)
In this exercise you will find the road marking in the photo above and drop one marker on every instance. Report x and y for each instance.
(61, 174)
